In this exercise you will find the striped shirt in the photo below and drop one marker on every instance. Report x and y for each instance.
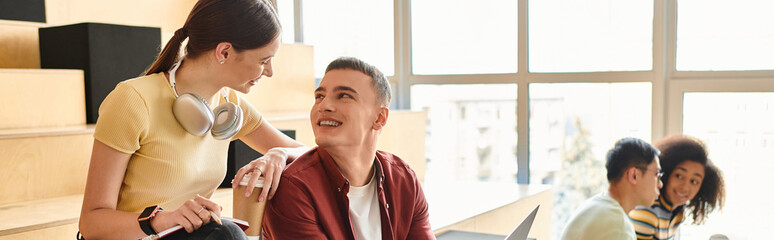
(659, 221)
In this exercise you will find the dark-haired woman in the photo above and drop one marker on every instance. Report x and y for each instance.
(692, 183)
(160, 151)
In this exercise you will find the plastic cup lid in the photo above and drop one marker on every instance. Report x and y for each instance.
(246, 180)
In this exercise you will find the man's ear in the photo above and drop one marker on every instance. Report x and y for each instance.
(632, 175)
(381, 118)
(222, 52)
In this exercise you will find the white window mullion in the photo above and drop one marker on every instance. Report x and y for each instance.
(522, 97)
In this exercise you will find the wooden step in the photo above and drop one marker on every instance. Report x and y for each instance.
(60, 232)
(44, 163)
(19, 48)
(20, 45)
(33, 98)
(168, 15)
(40, 214)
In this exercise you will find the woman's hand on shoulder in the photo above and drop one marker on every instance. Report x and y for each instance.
(269, 166)
(191, 216)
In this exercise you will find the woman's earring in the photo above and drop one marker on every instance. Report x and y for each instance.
(222, 61)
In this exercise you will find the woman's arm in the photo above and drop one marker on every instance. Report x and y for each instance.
(278, 150)
(99, 217)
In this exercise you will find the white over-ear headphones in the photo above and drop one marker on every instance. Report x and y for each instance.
(196, 117)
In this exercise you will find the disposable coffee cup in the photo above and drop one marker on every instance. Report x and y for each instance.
(249, 208)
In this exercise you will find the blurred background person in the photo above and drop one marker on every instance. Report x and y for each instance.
(691, 183)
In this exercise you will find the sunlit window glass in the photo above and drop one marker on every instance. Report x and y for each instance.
(590, 36)
(471, 131)
(285, 9)
(572, 126)
(357, 28)
(464, 37)
(722, 35)
(739, 133)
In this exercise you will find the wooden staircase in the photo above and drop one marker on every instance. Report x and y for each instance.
(45, 143)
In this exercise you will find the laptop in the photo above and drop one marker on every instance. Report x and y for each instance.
(522, 230)
(519, 233)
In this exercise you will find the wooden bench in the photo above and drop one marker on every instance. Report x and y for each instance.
(44, 163)
(53, 218)
(41, 98)
(19, 48)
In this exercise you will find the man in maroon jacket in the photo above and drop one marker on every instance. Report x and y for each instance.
(345, 188)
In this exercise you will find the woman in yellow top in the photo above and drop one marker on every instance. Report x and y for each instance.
(160, 152)
(691, 183)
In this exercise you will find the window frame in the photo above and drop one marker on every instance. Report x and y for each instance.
(668, 85)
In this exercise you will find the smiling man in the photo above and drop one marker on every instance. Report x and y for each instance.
(345, 188)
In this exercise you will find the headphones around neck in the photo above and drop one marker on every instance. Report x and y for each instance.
(197, 118)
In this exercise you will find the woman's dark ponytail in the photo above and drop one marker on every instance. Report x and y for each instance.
(169, 54)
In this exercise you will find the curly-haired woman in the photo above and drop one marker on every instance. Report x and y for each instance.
(692, 183)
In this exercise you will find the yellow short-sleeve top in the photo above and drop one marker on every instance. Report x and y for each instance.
(168, 165)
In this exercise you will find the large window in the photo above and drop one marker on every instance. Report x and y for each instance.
(471, 131)
(717, 35)
(572, 126)
(739, 133)
(463, 37)
(588, 72)
(357, 28)
(590, 35)
(285, 10)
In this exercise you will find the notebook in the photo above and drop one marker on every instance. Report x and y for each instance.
(241, 223)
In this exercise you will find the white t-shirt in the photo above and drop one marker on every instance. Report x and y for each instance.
(600, 217)
(364, 210)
